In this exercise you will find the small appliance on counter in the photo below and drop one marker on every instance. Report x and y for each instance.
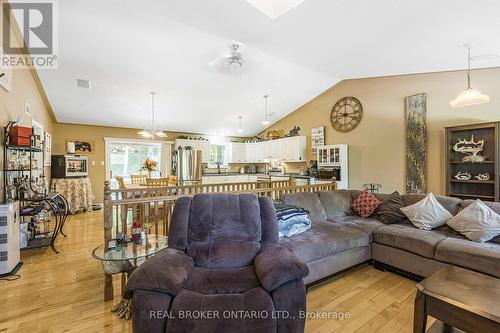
(69, 166)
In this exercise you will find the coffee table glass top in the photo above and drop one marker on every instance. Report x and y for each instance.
(150, 245)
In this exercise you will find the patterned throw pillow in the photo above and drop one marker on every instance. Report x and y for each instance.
(365, 204)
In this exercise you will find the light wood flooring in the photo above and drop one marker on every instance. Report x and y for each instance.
(64, 292)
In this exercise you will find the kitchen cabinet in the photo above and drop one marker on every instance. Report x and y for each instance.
(236, 152)
(251, 152)
(202, 145)
(291, 149)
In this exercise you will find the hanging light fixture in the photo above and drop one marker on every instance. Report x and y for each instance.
(266, 115)
(154, 129)
(240, 129)
(469, 96)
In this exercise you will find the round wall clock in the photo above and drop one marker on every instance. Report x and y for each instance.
(346, 114)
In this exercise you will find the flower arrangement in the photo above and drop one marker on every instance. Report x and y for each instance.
(150, 165)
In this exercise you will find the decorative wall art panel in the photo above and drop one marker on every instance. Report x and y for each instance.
(416, 143)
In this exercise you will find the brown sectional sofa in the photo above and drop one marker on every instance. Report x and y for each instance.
(339, 239)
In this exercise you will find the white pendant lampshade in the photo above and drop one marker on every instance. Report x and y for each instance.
(274, 8)
(469, 96)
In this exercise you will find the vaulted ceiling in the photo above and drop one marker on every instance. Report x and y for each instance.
(129, 48)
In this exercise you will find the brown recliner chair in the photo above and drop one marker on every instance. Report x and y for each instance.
(223, 272)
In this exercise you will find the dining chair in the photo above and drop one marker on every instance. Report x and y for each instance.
(138, 179)
(172, 180)
(121, 182)
(157, 182)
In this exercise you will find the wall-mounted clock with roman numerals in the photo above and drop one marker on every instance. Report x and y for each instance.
(346, 114)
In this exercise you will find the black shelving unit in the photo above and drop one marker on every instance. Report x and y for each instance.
(54, 204)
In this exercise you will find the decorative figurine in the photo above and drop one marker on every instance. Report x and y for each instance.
(483, 176)
(471, 149)
(136, 231)
(463, 175)
(294, 131)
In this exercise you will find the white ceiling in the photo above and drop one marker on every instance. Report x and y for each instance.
(129, 48)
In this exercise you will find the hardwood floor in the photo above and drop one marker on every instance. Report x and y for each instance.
(64, 292)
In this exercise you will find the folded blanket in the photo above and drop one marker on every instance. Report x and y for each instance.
(293, 226)
(286, 212)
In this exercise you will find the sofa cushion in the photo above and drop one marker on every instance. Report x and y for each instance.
(222, 281)
(365, 204)
(323, 239)
(477, 222)
(187, 302)
(309, 201)
(336, 203)
(389, 210)
(482, 257)
(224, 230)
(450, 204)
(495, 206)
(427, 214)
(365, 224)
(407, 237)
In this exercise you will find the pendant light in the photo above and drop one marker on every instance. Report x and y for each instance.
(266, 120)
(154, 129)
(469, 96)
(240, 129)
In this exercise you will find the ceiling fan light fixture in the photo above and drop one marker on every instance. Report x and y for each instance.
(274, 8)
(469, 96)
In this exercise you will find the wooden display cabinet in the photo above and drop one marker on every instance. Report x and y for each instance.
(486, 190)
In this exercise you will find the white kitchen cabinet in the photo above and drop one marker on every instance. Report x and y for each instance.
(263, 151)
(294, 149)
(251, 152)
(236, 152)
(202, 145)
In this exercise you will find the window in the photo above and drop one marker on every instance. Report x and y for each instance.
(217, 156)
(126, 159)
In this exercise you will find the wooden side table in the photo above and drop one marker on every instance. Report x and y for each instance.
(461, 299)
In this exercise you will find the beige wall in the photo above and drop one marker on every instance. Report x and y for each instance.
(24, 89)
(377, 145)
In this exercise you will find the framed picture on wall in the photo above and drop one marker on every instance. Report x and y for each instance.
(48, 149)
(317, 138)
(82, 146)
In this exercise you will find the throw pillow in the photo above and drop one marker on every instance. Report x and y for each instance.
(477, 222)
(427, 214)
(389, 210)
(365, 204)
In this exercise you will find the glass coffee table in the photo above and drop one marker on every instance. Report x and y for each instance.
(124, 258)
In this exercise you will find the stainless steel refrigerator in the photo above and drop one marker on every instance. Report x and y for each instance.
(188, 166)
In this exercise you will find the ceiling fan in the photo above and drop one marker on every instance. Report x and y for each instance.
(229, 61)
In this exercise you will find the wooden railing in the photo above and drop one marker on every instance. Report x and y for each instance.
(197, 188)
(122, 207)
